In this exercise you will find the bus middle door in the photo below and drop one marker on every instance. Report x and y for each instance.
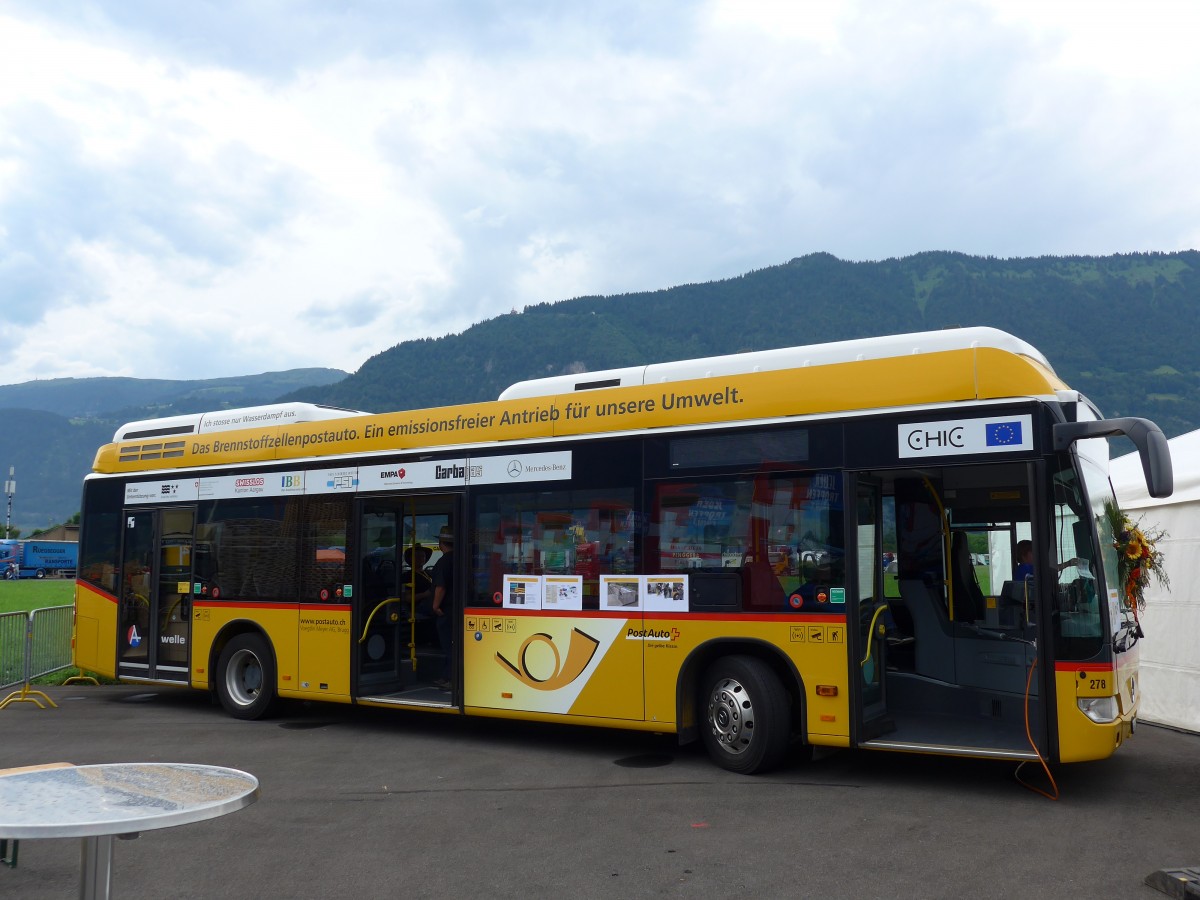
(154, 637)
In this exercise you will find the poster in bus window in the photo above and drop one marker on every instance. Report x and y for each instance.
(1114, 609)
(666, 593)
(621, 591)
(562, 592)
(522, 592)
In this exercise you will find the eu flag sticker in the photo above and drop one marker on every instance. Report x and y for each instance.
(1000, 434)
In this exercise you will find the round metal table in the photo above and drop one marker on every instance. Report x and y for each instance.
(97, 803)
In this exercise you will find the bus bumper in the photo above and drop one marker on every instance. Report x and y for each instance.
(1091, 727)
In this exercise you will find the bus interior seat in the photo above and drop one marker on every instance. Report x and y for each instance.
(933, 649)
(900, 641)
(969, 605)
(1013, 603)
(901, 616)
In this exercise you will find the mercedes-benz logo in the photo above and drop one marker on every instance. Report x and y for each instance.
(515, 469)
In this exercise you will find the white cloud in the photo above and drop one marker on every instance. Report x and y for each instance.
(251, 188)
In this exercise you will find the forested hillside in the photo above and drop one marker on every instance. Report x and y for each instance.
(125, 398)
(51, 455)
(1122, 329)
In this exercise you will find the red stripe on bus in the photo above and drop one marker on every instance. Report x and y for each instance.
(1062, 666)
(655, 615)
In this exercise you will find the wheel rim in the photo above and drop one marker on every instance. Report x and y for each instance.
(731, 716)
(244, 678)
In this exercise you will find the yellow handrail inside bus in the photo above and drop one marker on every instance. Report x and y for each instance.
(382, 604)
(945, 545)
(412, 587)
(871, 633)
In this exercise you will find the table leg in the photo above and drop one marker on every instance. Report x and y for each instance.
(95, 868)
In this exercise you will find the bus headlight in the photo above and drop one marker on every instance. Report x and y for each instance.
(1101, 710)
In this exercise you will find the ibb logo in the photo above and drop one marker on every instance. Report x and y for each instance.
(580, 652)
(291, 481)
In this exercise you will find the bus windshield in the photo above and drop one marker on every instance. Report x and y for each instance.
(1103, 504)
(1079, 629)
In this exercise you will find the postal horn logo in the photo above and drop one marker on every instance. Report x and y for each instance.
(580, 651)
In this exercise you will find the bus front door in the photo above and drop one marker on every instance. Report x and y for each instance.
(870, 655)
(939, 669)
(156, 587)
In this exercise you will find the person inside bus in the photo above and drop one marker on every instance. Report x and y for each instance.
(443, 601)
(1024, 568)
(416, 574)
(1019, 592)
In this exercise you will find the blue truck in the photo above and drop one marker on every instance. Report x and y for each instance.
(38, 559)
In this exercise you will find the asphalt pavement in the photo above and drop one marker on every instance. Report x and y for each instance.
(361, 803)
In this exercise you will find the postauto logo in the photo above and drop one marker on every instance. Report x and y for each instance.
(581, 649)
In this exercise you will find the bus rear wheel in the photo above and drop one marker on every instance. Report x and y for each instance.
(747, 716)
(246, 677)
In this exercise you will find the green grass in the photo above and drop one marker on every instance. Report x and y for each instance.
(32, 593)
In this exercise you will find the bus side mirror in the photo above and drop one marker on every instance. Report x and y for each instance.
(1151, 445)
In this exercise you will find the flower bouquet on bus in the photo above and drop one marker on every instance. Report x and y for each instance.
(1138, 558)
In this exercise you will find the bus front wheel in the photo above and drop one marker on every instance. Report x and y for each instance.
(747, 718)
(246, 677)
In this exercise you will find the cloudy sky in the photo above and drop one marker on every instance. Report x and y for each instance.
(222, 187)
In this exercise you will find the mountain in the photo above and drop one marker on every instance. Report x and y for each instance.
(49, 430)
(51, 454)
(1122, 329)
(104, 397)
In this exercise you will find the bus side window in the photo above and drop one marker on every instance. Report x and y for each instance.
(781, 534)
(580, 534)
(323, 548)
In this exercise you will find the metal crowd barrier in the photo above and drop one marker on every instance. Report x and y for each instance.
(32, 645)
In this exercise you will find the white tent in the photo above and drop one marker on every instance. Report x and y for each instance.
(1170, 651)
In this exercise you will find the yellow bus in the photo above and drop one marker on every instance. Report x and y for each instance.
(766, 552)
